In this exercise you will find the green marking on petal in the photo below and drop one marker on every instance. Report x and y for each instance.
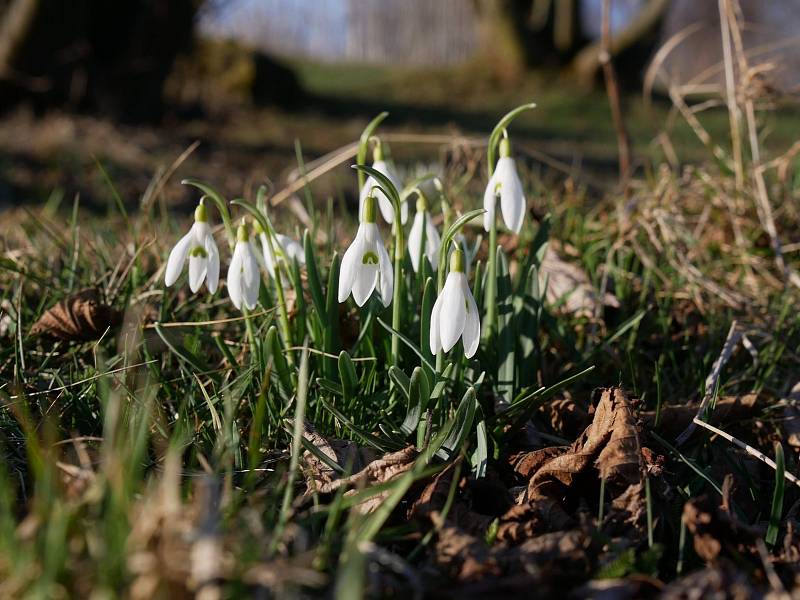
(199, 251)
(369, 258)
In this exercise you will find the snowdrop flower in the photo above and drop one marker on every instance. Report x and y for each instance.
(455, 314)
(287, 250)
(505, 183)
(243, 276)
(201, 249)
(422, 220)
(387, 210)
(366, 263)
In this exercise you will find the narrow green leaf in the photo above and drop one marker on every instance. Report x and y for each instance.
(480, 458)
(348, 377)
(777, 497)
(418, 397)
(400, 379)
(331, 329)
(462, 424)
(334, 387)
(407, 342)
(506, 334)
(365, 435)
(274, 351)
(314, 281)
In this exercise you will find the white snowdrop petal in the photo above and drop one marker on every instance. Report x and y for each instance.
(197, 272)
(434, 337)
(472, 325)
(249, 264)
(432, 243)
(250, 288)
(387, 210)
(212, 277)
(489, 201)
(415, 241)
(386, 274)
(453, 312)
(364, 284)
(350, 262)
(292, 249)
(234, 280)
(512, 199)
(176, 259)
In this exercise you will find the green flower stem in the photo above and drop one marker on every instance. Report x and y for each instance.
(491, 283)
(398, 282)
(222, 206)
(251, 336)
(363, 145)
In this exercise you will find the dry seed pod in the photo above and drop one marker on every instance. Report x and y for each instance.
(80, 317)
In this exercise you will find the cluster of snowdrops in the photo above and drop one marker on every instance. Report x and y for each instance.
(366, 266)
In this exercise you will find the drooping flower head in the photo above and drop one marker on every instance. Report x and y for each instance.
(366, 264)
(505, 183)
(371, 186)
(243, 275)
(423, 223)
(455, 314)
(286, 249)
(201, 249)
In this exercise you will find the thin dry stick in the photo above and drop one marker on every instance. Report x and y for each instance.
(747, 448)
(734, 335)
(333, 159)
(762, 197)
(153, 191)
(612, 89)
(213, 322)
(730, 93)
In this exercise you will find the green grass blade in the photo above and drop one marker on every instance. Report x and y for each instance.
(777, 497)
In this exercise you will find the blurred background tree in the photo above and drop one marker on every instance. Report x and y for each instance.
(119, 58)
(110, 57)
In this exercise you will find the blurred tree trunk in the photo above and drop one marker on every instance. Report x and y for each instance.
(501, 37)
(95, 55)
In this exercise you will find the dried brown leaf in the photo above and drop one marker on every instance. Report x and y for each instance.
(569, 283)
(526, 464)
(610, 444)
(322, 479)
(464, 557)
(723, 582)
(434, 495)
(346, 453)
(80, 317)
(713, 530)
(565, 417)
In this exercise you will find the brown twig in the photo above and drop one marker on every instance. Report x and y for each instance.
(612, 88)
